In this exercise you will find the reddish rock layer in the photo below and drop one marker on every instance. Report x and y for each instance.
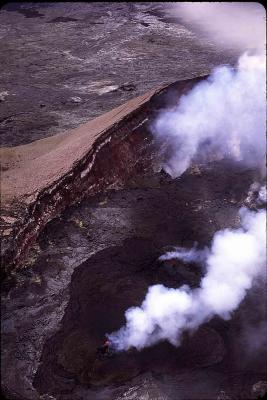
(41, 179)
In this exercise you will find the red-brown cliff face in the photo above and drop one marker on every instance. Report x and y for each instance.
(98, 259)
(41, 179)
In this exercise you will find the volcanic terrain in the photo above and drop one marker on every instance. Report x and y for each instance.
(87, 212)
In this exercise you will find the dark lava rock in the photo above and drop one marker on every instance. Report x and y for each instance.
(97, 260)
(63, 19)
(24, 10)
(101, 289)
(128, 87)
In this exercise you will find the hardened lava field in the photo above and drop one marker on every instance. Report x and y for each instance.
(126, 231)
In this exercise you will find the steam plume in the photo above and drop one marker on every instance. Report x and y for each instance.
(262, 195)
(237, 25)
(235, 259)
(225, 114)
(186, 255)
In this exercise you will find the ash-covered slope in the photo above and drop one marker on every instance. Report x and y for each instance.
(41, 179)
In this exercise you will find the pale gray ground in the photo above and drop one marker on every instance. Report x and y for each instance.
(65, 63)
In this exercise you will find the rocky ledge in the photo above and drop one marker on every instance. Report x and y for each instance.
(97, 211)
(41, 179)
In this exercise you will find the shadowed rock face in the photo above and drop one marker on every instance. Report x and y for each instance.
(41, 179)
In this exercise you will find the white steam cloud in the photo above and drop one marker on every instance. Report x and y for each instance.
(186, 255)
(224, 114)
(262, 196)
(237, 25)
(235, 259)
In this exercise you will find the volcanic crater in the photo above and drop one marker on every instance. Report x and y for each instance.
(98, 259)
(88, 212)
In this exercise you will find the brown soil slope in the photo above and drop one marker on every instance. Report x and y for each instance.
(40, 179)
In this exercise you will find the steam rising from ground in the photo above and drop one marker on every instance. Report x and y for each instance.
(226, 114)
(235, 24)
(262, 195)
(186, 255)
(235, 259)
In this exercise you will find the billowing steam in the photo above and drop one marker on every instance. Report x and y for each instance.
(235, 259)
(237, 25)
(225, 114)
(256, 194)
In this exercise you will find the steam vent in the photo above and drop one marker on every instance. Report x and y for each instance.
(133, 201)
